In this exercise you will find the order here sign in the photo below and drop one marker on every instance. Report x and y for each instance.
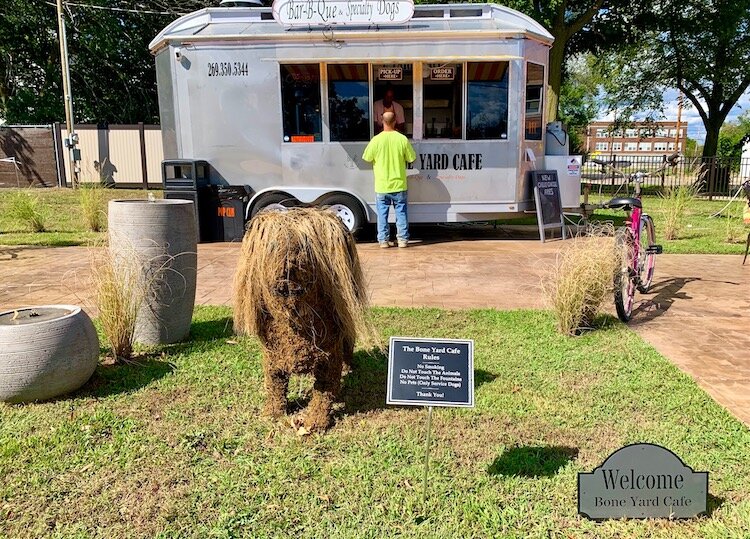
(431, 372)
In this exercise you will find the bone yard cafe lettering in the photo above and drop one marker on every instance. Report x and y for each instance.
(430, 372)
(443, 161)
(342, 12)
(642, 481)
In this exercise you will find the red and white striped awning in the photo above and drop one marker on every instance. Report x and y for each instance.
(487, 71)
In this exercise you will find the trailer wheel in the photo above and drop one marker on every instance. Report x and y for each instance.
(273, 201)
(347, 208)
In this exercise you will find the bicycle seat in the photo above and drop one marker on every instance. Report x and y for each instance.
(624, 203)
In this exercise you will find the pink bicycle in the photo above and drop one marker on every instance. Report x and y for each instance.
(636, 241)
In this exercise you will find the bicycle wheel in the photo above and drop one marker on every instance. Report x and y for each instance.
(646, 256)
(624, 281)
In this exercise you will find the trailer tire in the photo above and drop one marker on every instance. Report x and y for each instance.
(347, 208)
(269, 200)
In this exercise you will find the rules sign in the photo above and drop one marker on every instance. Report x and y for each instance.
(431, 372)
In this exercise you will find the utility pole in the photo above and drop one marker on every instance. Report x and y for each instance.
(679, 121)
(72, 141)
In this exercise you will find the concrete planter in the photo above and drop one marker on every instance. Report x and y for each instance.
(45, 352)
(161, 236)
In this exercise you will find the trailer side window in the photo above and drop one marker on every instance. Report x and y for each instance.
(534, 92)
(300, 102)
(487, 97)
(349, 102)
(442, 100)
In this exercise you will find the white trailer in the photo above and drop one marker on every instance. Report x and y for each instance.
(286, 112)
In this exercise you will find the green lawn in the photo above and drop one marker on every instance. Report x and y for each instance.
(65, 224)
(701, 233)
(176, 447)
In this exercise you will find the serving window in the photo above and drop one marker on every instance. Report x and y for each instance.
(534, 93)
(443, 103)
(393, 86)
(300, 102)
(349, 102)
(459, 100)
(487, 100)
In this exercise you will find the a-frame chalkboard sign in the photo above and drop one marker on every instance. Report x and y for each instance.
(549, 214)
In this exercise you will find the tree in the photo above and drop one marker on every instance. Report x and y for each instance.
(701, 47)
(112, 72)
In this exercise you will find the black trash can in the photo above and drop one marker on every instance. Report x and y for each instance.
(231, 203)
(189, 179)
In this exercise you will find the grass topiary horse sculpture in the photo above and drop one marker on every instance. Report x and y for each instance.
(299, 288)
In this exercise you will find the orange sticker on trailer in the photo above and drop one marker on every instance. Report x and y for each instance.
(303, 138)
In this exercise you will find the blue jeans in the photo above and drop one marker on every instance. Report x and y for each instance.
(384, 201)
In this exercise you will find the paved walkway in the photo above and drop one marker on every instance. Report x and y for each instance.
(698, 314)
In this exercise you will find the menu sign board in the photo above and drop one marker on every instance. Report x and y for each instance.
(431, 372)
(548, 204)
(326, 13)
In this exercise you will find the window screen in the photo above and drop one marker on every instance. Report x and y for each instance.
(300, 102)
(349, 102)
(487, 96)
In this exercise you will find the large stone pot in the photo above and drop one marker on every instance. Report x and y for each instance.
(45, 351)
(161, 236)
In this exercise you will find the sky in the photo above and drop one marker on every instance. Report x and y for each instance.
(690, 114)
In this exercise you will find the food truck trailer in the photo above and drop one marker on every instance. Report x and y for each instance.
(279, 103)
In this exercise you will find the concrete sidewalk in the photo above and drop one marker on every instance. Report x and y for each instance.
(698, 314)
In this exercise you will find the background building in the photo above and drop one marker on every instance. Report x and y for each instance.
(641, 139)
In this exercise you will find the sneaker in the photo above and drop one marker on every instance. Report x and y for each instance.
(403, 243)
(385, 244)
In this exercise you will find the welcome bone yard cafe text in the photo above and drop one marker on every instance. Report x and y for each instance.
(642, 481)
(342, 12)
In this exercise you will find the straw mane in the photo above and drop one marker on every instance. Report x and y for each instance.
(310, 245)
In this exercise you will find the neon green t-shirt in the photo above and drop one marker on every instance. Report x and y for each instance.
(389, 152)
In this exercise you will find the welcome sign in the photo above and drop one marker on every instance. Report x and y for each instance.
(342, 12)
(642, 481)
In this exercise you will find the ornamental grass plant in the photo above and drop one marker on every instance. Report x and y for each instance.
(675, 203)
(27, 210)
(91, 203)
(580, 279)
(119, 294)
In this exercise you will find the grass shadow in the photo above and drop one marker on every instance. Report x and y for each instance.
(209, 330)
(532, 461)
(363, 389)
(117, 379)
(714, 503)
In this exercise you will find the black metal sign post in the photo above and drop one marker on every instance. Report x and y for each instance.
(549, 212)
(430, 372)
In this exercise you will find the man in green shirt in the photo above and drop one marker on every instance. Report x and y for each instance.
(389, 152)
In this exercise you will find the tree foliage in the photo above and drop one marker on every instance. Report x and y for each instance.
(701, 47)
(112, 73)
(732, 136)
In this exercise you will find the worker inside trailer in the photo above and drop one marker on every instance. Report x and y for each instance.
(394, 90)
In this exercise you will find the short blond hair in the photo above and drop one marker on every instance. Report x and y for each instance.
(389, 118)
